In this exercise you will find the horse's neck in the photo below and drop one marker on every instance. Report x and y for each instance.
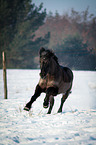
(53, 67)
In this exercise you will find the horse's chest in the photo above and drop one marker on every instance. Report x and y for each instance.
(46, 83)
(42, 83)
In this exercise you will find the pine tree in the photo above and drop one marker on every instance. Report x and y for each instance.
(19, 19)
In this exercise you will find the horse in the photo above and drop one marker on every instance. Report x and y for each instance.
(54, 79)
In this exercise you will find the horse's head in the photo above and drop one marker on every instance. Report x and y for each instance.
(45, 60)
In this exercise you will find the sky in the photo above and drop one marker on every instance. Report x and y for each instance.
(63, 6)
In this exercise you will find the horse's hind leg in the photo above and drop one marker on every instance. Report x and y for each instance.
(64, 97)
(51, 104)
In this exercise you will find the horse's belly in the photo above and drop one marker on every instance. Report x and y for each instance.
(64, 86)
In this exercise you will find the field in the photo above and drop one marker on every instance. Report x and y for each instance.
(76, 125)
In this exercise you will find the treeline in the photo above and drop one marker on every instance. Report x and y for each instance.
(19, 19)
(73, 38)
(24, 28)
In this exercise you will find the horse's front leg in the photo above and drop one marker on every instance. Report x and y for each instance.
(37, 93)
(50, 91)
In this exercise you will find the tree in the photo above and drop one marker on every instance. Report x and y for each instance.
(19, 19)
(74, 44)
(74, 53)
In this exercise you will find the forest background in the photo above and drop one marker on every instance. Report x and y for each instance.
(24, 28)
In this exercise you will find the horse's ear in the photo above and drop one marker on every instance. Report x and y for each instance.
(41, 50)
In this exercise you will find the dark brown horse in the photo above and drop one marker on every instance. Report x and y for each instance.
(54, 80)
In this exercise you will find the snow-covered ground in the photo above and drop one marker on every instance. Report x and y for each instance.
(75, 125)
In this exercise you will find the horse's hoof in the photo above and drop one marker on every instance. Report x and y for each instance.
(59, 111)
(48, 112)
(26, 108)
(45, 106)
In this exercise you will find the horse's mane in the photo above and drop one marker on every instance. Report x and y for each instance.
(51, 53)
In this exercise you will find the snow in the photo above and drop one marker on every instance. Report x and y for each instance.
(76, 125)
